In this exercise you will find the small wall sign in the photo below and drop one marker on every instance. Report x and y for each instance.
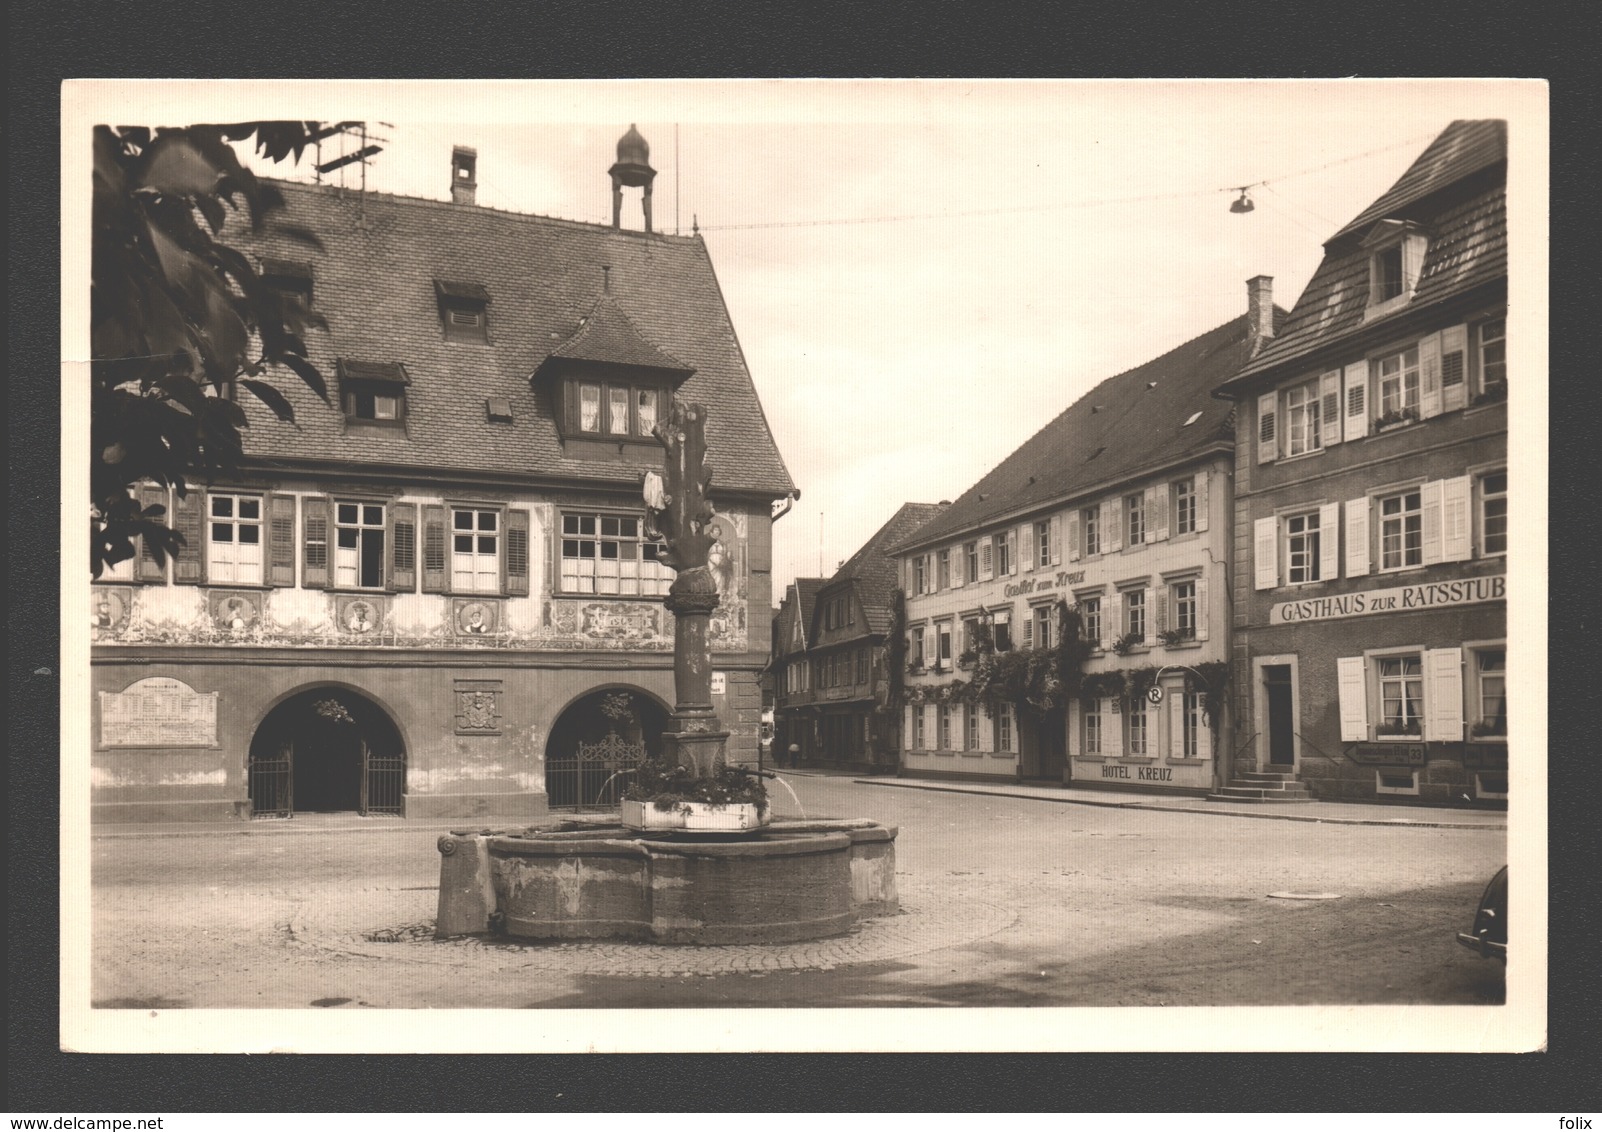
(720, 683)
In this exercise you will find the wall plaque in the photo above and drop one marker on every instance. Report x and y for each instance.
(158, 712)
(1388, 754)
(478, 707)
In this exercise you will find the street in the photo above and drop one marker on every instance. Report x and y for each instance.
(1006, 902)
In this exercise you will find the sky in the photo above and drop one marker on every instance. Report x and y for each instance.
(921, 274)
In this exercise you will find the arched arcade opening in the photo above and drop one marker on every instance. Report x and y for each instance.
(327, 750)
(596, 740)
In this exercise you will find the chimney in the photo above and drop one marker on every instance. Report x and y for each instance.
(1260, 309)
(464, 174)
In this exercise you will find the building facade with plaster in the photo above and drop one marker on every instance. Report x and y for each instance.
(1372, 495)
(423, 597)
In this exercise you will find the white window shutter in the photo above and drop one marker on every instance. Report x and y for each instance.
(1356, 401)
(1112, 729)
(1112, 618)
(1329, 409)
(1204, 735)
(1329, 542)
(1443, 695)
(1267, 427)
(1160, 609)
(1176, 723)
(1073, 536)
(987, 731)
(959, 560)
(1430, 499)
(1454, 368)
(1075, 729)
(1456, 545)
(1357, 537)
(1201, 607)
(1351, 685)
(906, 725)
(1429, 376)
(1112, 522)
(1200, 483)
(987, 561)
(1028, 543)
(1265, 541)
(1157, 513)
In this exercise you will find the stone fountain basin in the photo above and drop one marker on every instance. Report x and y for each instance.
(791, 881)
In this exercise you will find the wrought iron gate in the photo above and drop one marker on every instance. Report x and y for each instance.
(383, 782)
(594, 776)
(272, 784)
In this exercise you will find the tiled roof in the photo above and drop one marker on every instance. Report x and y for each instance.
(1467, 247)
(806, 594)
(608, 335)
(1124, 426)
(1464, 147)
(375, 282)
(874, 570)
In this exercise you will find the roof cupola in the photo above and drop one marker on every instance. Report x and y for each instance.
(633, 168)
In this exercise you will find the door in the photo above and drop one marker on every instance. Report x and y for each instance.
(1281, 721)
(1054, 747)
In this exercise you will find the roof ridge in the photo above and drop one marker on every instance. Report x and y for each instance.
(450, 205)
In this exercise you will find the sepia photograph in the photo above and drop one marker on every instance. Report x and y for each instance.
(908, 565)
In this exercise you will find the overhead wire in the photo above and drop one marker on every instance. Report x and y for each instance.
(1056, 206)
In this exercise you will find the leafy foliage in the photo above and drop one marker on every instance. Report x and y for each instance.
(179, 320)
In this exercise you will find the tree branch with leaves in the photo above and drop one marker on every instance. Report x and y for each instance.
(181, 322)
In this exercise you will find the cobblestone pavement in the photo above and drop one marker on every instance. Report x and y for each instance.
(1006, 902)
(397, 926)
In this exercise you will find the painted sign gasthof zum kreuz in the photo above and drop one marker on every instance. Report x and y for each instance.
(1401, 599)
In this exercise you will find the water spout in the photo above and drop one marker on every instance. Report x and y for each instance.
(793, 797)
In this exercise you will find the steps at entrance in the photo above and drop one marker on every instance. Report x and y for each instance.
(1263, 786)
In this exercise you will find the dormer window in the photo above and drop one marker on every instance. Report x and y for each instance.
(1395, 259)
(463, 311)
(373, 393)
(288, 278)
(612, 409)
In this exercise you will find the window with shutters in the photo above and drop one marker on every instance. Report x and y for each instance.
(862, 666)
(475, 550)
(943, 635)
(1183, 599)
(609, 554)
(234, 540)
(1090, 618)
(920, 574)
(1493, 513)
(1135, 522)
(1090, 525)
(943, 570)
(1004, 730)
(1135, 614)
(1397, 375)
(1396, 257)
(359, 545)
(1303, 416)
(372, 393)
(1004, 563)
(970, 554)
(1488, 689)
(405, 549)
(1092, 726)
(943, 725)
(917, 727)
(1401, 530)
(916, 651)
(1137, 728)
(1401, 696)
(1303, 548)
(1042, 620)
(1184, 494)
(1191, 723)
(1001, 631)
(1043, 543)
(1493, 355)
(1387, 274)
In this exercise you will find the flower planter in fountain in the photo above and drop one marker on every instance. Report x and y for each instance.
(702, 817)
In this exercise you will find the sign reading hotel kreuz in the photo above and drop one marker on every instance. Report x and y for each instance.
(158, 712)
(1402, 599)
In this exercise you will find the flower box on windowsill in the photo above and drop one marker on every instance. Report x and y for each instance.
(1390, 422)
(704, 817)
